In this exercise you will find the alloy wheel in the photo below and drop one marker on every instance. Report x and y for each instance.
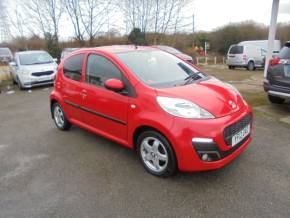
(154, 154)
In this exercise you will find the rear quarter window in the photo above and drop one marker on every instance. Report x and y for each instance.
(72, 67)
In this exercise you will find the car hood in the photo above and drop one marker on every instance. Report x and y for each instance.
(218, 98)
(39, 67)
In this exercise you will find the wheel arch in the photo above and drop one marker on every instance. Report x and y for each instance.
(143, 128)
(251, 60)
(52, 101)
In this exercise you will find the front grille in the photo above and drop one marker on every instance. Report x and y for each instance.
(45, 73)
(236, 127)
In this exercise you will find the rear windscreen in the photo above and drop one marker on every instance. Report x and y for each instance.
(285, 52)
(237, 49)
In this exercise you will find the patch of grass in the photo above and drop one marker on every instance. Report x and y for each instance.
(225, 74)
(255, 99)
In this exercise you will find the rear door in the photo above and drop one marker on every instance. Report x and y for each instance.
(106, 110)
(235, 55)
(71, 86)
(280, 73)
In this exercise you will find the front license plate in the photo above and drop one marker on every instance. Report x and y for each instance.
(43, 79)
(238, 137)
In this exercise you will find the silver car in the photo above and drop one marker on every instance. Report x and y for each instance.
(33, 68)
(5, 55)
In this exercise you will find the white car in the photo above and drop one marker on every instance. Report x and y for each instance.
(33, 68)
(250, 54)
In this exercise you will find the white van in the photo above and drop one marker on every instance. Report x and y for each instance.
(250, 54)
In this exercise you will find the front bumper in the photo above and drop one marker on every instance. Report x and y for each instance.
(29, 81)
(279, 91)
(188, 157)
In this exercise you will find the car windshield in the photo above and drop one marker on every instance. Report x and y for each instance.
(4, 51)
(160, 69)
(237, 49)
(35, 58)
(169, 49)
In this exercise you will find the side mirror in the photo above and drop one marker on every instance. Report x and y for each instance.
(114, 85)
(55, 60)
(12, 64)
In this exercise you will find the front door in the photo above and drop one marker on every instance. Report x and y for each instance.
(105, 110)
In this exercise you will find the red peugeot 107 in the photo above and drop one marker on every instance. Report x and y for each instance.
(173, 114)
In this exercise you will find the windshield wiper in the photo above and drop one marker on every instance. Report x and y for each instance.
(192, 77)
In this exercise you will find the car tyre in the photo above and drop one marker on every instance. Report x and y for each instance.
(231, 67)
(275, 99)
(156, 154)
(59, 117)
(251, 66)
(19, 84)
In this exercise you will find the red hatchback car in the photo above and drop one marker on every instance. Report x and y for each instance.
(174, 115)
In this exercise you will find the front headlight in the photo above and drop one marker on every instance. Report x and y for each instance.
(183, 108)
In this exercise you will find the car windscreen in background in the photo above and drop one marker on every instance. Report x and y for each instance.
(285, 52)
(4, 51)
(237, 49)
(35, 58)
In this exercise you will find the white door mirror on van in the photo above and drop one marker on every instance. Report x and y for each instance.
(55, 59)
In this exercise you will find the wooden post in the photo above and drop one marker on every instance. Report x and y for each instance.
(215, 60)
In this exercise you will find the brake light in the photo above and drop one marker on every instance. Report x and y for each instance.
(274, 61)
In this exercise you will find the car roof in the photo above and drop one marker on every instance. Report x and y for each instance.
(4, 48)
(31, 52)
(114, 49)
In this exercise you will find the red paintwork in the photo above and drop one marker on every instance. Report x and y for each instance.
(212, 95)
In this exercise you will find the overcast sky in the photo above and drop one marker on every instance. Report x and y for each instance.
(210, 14)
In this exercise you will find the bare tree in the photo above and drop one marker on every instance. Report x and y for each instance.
(138, 13)
(18, 23)
(95, 15)
(4, 27)
(157, 16)
(46, 15)
(73, 8)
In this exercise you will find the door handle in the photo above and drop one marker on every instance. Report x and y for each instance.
(84, 93)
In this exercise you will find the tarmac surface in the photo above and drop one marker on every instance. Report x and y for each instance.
(45, 172)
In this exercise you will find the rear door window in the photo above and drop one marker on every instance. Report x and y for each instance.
(237, 49)
(72, 67)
